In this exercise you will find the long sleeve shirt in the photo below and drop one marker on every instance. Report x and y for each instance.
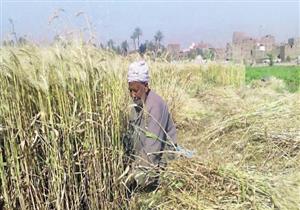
(154, 131)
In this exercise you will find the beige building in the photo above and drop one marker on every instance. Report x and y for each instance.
(220, 54)
(242, 50)
(291, 50)
(245, 49)
(238, 37)
(269, 42)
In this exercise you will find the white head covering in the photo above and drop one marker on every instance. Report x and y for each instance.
(138, 72)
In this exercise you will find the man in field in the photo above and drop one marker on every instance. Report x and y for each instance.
(153, 133)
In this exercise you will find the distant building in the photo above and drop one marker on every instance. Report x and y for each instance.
(290, 50)
(242, 48)
(259, 53)
(269, 42)
(246, 49)
(238, 37)
(220, 54)
(294, 41)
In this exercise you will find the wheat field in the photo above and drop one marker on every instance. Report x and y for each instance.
(64, 110)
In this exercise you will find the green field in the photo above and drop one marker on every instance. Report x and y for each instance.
(289, 74)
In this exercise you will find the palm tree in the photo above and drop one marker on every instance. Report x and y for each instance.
(22, 40)
(133, 37)
(13, 29)
(151, 46)
(158, 37)
(138, 32)
(124, 47)
(110, 44)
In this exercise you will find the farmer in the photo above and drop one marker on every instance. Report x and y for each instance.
(153, 133)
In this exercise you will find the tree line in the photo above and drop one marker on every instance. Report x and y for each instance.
(123, 48)
(154, 45)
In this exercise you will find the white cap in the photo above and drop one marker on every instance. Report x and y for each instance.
(138, 72)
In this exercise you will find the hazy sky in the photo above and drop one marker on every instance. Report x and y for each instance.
(181, 22)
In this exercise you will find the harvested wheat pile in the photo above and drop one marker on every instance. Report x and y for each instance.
(246, 138)
(188, 184)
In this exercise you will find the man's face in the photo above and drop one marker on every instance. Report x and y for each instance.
(138, 92)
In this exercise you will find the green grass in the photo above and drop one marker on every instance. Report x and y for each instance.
(289, 74)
